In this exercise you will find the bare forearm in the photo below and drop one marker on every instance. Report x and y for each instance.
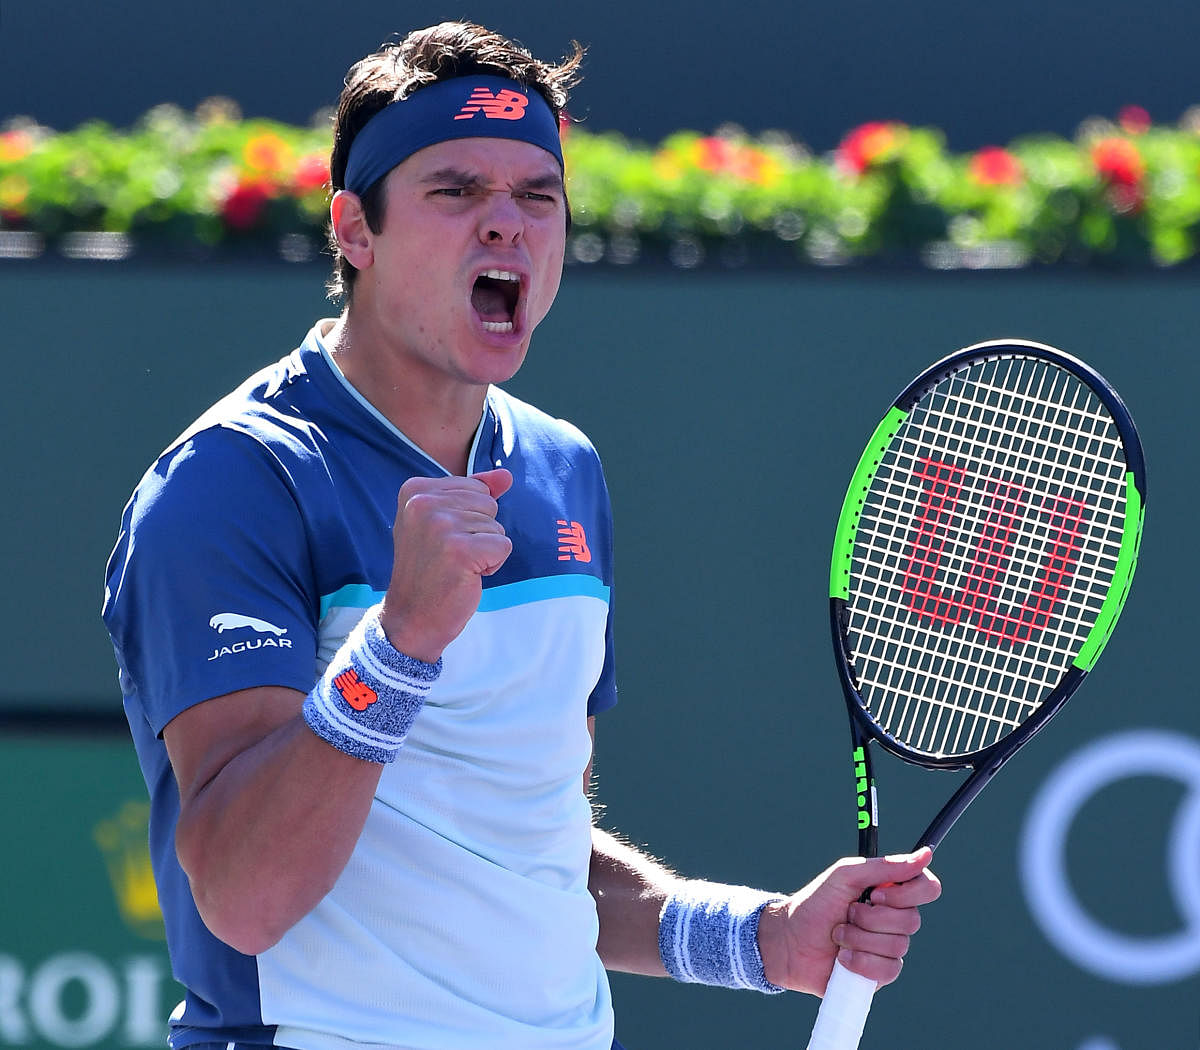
(630, 889)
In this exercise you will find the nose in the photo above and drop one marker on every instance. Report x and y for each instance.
(502, 221)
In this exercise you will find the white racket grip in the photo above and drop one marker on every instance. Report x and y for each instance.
(843, 1012)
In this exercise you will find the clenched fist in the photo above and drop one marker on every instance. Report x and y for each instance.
(446, 539)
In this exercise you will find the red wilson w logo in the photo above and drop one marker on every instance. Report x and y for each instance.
(976, 602)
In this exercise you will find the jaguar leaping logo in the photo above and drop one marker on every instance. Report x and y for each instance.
(228, 621)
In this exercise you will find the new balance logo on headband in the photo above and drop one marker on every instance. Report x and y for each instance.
(503, 105)
(507, 110)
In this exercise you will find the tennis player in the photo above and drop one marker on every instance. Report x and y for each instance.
(362, 610)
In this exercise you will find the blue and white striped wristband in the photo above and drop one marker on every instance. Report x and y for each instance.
(708, 934)
(369, 695)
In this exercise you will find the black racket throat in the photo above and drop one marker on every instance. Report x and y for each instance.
(983, 764)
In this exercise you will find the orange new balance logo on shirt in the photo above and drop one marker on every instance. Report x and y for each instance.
(354, 690)
(505, 105)
(572, 542)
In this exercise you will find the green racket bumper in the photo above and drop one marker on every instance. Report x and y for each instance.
(1114, 601)
(852, 506)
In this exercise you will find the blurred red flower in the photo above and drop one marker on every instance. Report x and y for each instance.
(1118, 161)
(868, 144)
(714, 154)
(993, 166)
(243, 207)
(1120, 165)
(312, 173)
(1134, 120)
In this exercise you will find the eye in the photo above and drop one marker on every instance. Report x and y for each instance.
(538, 203)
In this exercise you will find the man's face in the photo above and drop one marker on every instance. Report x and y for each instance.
(469, 258)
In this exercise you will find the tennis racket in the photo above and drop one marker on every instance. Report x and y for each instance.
(983, 554)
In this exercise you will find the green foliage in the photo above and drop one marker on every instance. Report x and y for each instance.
(1120, 193)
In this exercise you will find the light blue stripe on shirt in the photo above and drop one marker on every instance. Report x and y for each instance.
(352, 596)
(543, 589)
(360, 596)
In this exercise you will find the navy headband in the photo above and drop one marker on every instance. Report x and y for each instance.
(460, 108)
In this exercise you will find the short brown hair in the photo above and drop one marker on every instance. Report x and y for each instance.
(425, 56)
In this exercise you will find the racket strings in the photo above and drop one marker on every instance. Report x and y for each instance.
(985, 549)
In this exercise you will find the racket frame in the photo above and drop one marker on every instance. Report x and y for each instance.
(987, 761)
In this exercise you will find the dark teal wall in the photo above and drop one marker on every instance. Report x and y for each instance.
(729, 409)
(983, 72)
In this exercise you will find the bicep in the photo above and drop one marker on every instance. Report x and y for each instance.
(203, 739)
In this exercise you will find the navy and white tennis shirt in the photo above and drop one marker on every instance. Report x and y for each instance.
(247, 553)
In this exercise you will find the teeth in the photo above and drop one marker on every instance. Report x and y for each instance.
(501, 275)
(497, 326)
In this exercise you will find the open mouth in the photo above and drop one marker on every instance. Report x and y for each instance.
(495, 295)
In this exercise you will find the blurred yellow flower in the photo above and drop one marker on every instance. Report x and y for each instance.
(267, 153)
(14, 191)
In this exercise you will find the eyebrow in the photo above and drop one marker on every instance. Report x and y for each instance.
(462, 177)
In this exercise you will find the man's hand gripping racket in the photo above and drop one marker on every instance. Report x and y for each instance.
(983, 554)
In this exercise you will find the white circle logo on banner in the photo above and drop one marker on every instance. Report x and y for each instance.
(1090, 944)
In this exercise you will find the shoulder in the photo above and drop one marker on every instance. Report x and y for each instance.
(534, 428)
(271, 422)
(255, 447)
(275, 407)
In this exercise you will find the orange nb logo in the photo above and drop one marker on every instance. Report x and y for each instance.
(572, 542)
(354, 690)
(504, 105)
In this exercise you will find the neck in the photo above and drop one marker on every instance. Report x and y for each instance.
(439, 416)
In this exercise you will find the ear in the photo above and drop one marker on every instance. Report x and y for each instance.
(351, 230)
